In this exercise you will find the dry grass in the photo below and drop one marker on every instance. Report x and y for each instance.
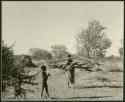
(102, 85)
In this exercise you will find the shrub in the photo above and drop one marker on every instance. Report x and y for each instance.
(13, 73)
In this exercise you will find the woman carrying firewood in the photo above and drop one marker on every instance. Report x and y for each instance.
(70, 72)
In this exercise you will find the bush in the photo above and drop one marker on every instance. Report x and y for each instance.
(38, 54)
(7, 66)
(13, 73)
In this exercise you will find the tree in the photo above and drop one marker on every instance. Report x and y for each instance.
(121, 52)
(20, 77)
(38, 54)
(59, 51)
(92, 41)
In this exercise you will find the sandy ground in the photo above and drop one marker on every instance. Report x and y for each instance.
(87, 86)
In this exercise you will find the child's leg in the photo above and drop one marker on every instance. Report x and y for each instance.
(46, 88)
(42, 90)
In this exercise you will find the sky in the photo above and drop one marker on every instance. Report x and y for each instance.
(41, 24)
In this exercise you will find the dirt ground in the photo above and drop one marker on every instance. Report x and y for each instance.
(89, 86)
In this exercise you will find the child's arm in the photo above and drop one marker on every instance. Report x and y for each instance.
(48, 74)
(37, 73)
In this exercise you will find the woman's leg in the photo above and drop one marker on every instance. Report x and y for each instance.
(68, 83)
(74, 82)
(73, 78)
(68, 77)
(74, 85)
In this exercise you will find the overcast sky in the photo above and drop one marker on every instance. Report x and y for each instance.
(41, 24)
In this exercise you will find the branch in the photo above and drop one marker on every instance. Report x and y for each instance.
(12, 44)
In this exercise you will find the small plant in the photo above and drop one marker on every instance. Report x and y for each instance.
(21, 77)
(103, 79)
(103, 76)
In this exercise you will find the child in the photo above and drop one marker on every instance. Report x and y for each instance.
(44, 80)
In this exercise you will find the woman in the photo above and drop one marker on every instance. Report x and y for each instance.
(70, 72)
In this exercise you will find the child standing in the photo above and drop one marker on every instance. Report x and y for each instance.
(44, 80)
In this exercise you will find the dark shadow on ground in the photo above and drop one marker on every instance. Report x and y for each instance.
(91, 97)
(117, 70)
(103, 86)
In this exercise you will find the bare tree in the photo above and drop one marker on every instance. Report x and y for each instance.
(92, 41)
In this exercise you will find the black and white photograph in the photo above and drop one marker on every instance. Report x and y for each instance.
(62, 50)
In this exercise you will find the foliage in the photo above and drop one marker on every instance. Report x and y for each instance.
(38, 54)
(121, 52)
(7, 65)
(13, 73)
(59, 51)
(92, 41)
